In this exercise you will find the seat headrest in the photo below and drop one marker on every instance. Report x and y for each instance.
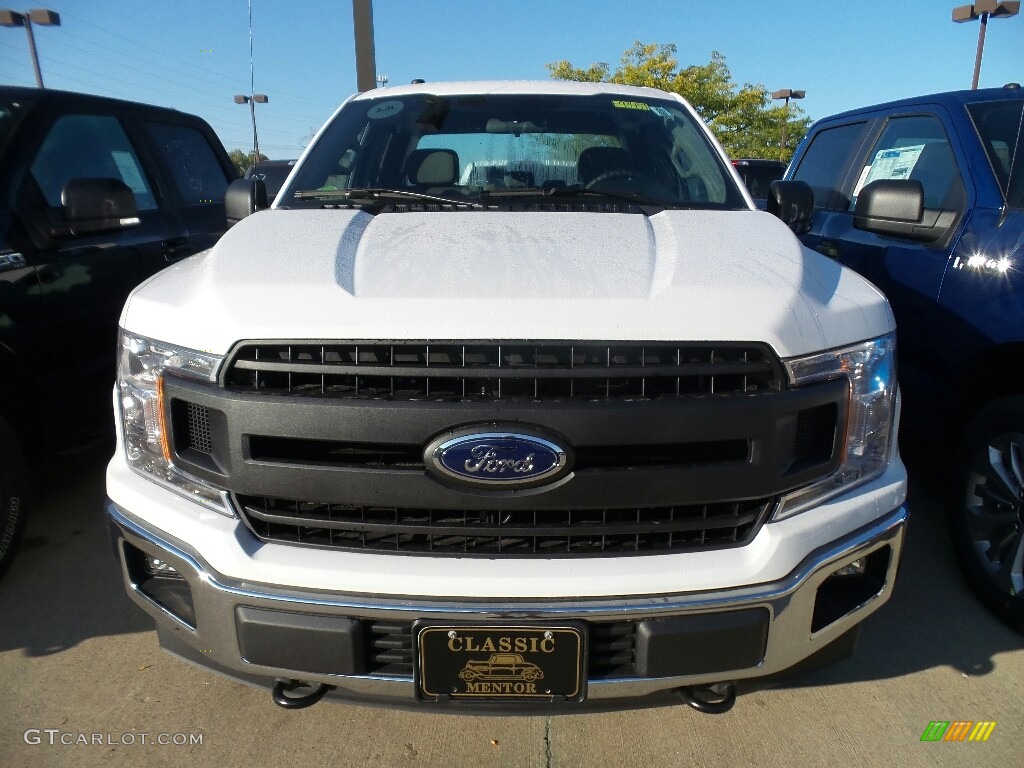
(432, 167)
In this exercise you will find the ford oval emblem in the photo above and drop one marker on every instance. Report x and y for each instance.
(497, 458)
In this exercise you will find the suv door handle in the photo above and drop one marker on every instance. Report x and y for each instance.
(175, 248)
(829, 248)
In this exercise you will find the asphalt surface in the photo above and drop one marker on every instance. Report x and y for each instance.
(83, 682)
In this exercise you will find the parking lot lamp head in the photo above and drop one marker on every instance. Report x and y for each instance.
(40, 16)
(252, 100)
(983, 10)
(787, 94)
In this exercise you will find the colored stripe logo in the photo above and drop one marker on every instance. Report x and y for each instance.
(958, 730)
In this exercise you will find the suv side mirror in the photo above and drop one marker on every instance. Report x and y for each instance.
(98, 205)
(244, 196)
(793, 202)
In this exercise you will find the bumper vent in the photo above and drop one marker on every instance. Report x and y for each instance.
(532, 372)
(508, 533)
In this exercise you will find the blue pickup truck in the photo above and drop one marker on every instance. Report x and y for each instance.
(925, 197)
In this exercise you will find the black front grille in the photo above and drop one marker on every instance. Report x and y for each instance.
(341, 453)
(508, 533)
(518, 371)
(611, 654)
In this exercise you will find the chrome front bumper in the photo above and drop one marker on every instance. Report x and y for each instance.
(211, 638)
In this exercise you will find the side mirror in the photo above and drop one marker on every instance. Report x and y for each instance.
(244, 196)
(98, 205)
(896, 207)
(793, 202)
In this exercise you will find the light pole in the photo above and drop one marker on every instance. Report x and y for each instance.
(982, 10)
(252, 100)
(40, 16)
(366, 60)
(787, 94)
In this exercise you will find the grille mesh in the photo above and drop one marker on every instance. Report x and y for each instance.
(537, 533)
(198, 419)
(456, 371)
(815, 433)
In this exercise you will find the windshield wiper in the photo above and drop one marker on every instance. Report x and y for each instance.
(373, 194)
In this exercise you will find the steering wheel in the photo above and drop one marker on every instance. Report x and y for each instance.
(615, 173)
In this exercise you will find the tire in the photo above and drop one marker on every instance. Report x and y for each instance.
(985, 508)
(13, 491)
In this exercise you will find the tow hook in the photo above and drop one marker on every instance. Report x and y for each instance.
(714, 699)
(310, 694)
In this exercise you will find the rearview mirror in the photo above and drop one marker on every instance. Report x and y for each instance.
(793, 203)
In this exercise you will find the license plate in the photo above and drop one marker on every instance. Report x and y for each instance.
(501, 662)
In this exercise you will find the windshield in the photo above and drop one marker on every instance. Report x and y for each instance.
(493, 147)
(1000, 125)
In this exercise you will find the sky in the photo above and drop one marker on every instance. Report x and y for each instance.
(194, 56)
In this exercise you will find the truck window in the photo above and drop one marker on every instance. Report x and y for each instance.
(916, 148)
(1000, 126)
(89, 147)
(824, 164)
(197, 174)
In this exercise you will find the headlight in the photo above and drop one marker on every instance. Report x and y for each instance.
(870, 367)
(142, 364)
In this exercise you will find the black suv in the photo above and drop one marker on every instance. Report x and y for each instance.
(96, 195)
(273, 174)
(758, 176)
(925, 197)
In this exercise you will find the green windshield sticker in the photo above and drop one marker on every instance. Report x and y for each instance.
(630, 105)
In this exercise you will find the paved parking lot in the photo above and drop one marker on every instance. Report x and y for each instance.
(79, 663)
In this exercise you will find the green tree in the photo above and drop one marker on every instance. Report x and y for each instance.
(742, 117)
(242, 161)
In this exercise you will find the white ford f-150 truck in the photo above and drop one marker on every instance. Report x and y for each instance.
(508, 369)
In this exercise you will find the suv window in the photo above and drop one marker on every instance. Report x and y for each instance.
(916, 148)
(89, 147)
(197, 174)
(1000, 126)
(824, 163)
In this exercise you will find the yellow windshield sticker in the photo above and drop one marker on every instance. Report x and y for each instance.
(630, 105)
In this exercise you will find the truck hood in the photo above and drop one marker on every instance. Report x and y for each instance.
(675, 276)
